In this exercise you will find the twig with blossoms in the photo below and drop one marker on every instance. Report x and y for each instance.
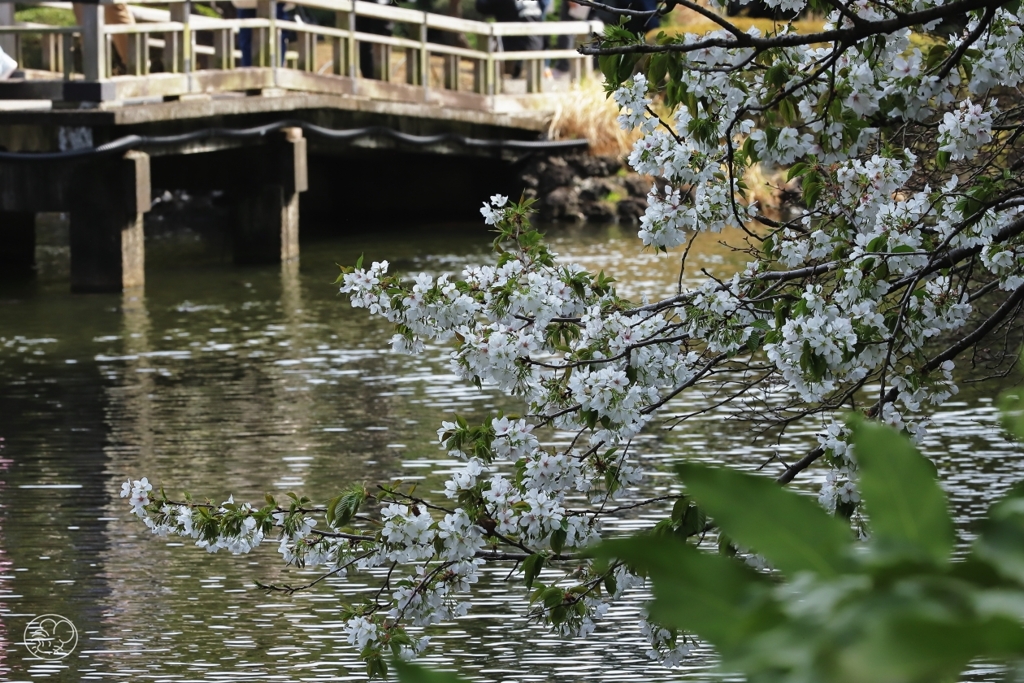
(907, 237)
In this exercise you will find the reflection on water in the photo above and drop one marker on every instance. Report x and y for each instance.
(226, 380)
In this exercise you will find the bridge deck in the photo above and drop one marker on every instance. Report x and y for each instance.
(33, 130)
(151, 55)
(177, 108)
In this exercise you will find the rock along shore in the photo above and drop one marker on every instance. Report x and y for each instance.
(596, 189)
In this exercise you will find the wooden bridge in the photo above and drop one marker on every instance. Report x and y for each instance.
(89, 133)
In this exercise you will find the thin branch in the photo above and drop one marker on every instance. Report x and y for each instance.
(1011, 304)
(851, 35)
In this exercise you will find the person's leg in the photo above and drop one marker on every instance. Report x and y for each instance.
(245, 37)
(119, 14)
(285, 35)
(366, 60)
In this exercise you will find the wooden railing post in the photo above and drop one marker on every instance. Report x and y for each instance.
(351, 49)
(339, 50)
(382, 62)
(588, 61)
(94, 59)
(266, 47)
(575, 64)
(424, 65)
(224, 49)
(138, 54)
(533, 75)
(307, 51)
(412, 66)
(47, 43)
(494, 67)
(67, 58)
(451, 72)
(53, 57)
(480, 66)
(274, 39)
(172, 51)
(344, 48)
(181, 12)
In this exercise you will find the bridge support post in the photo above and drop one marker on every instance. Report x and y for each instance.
(107, 251)
(267, 229)
(17, 243)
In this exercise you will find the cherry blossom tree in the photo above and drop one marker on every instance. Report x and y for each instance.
(899, 121)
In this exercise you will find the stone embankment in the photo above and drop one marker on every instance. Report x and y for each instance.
(596, 189)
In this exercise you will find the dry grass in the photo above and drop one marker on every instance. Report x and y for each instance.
(765, 188)
(694, 23)
(585, 112)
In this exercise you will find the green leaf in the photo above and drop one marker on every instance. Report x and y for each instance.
(558, 537)
(797, 170)
(414, 673)
(776, 75)
(788, 111)
(907, 509)
(679, 509)
(1000, 541)
(553, 597)
(1011, 409)
(790, 530)
(657, 68)
(718, 598)
(692, 522)
(376, 667)
(811, 187)
(531, 568)
(910, 645)
(342, 509)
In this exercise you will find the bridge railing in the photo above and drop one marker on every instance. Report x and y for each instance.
(173, 53)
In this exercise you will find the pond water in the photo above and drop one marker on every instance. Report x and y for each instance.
(224, 380)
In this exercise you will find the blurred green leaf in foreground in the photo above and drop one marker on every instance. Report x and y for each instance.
(894, 609)
(897, 608)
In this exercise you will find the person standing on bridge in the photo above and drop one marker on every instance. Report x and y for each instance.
(247, 10)
(370, 54)
(444, 37)
(516, 10)
(572, 11)
(112, 14)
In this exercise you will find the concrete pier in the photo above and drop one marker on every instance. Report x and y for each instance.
(107, 246)
(17, 244)
(106, 197)
(267, 202)
(262, 175)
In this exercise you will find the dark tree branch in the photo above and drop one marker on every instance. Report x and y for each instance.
(851, 35)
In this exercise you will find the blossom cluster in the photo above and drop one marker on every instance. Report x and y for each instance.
(908, 217)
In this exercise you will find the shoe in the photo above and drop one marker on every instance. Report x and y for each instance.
(7, 66)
